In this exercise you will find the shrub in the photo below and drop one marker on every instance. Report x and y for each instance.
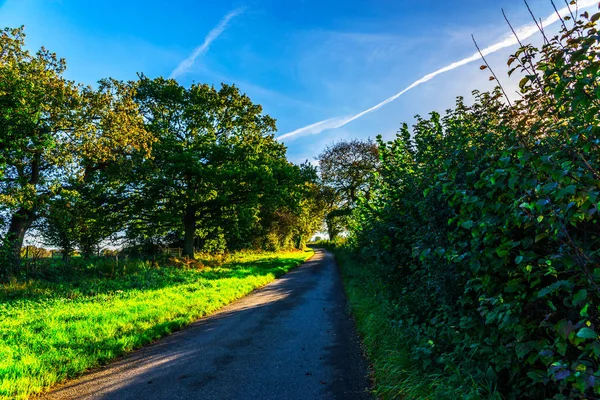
(486, 225)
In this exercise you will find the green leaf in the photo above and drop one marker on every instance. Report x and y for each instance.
(519, 259)
(584, 311)
(536, 376)
(579, 296)
(564, 328)
(596, 348)
(490, 374)
(513, 286)
(502, 252)
(587, 333)
(561, 348)
(467, 224)
(522, 350)
(570, 189)
(555, 287)
(424, 254)
(523, 82)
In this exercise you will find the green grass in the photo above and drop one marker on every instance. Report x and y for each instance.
(51, 331)
(388, 346)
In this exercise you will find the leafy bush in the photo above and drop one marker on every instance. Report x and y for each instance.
(485, 223)
(386, 341)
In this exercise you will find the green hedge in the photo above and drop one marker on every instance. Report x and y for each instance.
(485, 227)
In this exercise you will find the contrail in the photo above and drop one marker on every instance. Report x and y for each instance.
(523, 32)
(212, 35)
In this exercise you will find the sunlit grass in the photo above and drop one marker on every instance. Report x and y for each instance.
(388, 346)
(50, 331)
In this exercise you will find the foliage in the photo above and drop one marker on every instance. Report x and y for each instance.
(346, 171)
(485, 226)
(86, 213)
(292, 225)
(337, 244)
(386, 341)
(52, 129)
(35, 252)
(347, 167)
(215, 166)
(196, 167)
(50, 331)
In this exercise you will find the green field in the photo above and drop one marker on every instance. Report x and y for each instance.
(50, 331)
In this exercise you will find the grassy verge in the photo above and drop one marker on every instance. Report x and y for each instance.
(50, 331)
(388, 344)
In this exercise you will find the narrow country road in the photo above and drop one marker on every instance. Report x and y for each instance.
(290, 340)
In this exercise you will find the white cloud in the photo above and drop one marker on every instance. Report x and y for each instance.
(523, 33)
(185, 65)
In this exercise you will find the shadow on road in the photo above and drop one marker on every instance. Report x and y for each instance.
(289, 340)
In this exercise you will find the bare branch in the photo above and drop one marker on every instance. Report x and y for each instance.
(541, 29)
(531, 70)
(570, 11)
(512, 29)
(491, 70)
(559, 16)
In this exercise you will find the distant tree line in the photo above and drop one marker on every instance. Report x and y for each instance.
(149, 161)
(347, 170)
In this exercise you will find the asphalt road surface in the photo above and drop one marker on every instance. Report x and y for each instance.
(292, 339)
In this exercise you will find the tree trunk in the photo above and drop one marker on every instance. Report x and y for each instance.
(19, 224)
(331, 228)
(189, 226)
(299, 242)
(87, 251)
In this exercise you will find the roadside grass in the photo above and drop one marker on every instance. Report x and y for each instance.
(388, 345)
(54, 330)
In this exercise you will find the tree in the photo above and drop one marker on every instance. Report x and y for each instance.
(292, 214)
(347, 169)
(85, 215)
(52, 129)
(214, 160)
(59, 227)
(310, 217)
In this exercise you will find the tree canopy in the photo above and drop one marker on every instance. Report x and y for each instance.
(347, 169)
(214, 165)
(53, 131)
(150, 161)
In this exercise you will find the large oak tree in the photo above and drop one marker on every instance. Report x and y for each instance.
(214, 162)
(347, 169)
(53, 132)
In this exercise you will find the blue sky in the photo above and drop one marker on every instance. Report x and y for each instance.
(303, 60)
